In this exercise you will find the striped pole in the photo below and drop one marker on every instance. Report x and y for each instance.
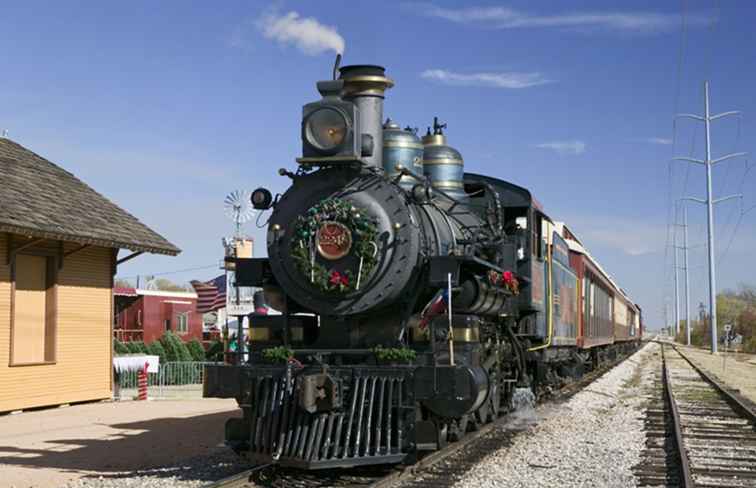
(142, 382)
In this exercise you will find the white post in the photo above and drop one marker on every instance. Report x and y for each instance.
(451, 329)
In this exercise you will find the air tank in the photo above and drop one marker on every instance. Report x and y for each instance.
(443, 164)
(401, 147)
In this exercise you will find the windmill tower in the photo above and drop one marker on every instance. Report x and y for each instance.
(238, 207)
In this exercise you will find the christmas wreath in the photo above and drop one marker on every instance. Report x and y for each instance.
(360, 243)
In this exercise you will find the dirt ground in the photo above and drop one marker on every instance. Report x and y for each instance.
(48, 448)
(737, 370)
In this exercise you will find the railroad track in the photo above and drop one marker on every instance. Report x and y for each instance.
(700, 434)
(437, 469)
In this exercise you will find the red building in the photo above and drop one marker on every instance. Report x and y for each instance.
(145, 315)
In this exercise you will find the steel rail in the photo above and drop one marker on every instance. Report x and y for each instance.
(732, 398)
(686, 479)
(238, 480)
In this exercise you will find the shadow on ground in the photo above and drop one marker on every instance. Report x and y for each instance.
(187, 448)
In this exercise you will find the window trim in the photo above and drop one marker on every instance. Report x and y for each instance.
(51, 312)
(185, 316)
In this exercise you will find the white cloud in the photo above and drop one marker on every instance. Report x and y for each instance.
(564, 147)
(306, 33)
(507, 18)
(659, 140)
(494, 80)
(631, 236)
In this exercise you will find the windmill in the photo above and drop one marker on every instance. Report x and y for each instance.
(238, 208)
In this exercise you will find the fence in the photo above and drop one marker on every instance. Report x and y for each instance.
(173, 380)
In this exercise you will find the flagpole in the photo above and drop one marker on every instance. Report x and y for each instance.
(451, 329)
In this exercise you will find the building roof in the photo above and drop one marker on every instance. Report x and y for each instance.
(138, 292)
(40, 199)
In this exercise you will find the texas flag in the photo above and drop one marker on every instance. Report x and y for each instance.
(435, 307)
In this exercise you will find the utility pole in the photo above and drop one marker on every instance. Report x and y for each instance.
(677, 286)
(687, 275)
(707, 119)
(684, 249)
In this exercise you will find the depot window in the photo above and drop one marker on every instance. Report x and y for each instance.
(33, 309)
(182, 323)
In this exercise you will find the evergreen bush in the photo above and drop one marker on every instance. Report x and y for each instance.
(175, 349)
(119, 347)
(136, 347)
(215, 351)
(196, 350)
(157, 349)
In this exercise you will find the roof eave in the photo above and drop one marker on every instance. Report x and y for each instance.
(59, 236)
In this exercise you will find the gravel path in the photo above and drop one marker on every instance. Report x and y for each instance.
(592, 440)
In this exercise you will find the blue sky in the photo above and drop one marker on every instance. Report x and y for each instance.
(165, 107)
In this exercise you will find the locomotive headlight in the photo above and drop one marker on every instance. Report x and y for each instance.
(261, 199)
(326, 129)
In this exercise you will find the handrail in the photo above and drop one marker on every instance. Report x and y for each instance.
(550, 297)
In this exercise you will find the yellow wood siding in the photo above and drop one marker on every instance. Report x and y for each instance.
(83, 344)
(28, 335)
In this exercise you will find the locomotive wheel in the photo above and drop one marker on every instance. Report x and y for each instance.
(442, 434)
(460, 428)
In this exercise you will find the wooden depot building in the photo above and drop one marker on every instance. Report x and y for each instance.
(59, 244)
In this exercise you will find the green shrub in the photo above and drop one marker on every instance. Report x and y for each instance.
(215, 351)
(175, 349)
(157, 349)
(136, 347)
(196, 350)
(119, 347)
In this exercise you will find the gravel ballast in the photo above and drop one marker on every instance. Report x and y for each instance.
(592, 440)
(190, 473)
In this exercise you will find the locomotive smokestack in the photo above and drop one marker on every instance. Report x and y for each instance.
(364, 85)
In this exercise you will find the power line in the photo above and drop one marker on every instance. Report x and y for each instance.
(165, 273)
(670, 173)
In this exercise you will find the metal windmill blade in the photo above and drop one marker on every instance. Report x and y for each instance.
(238, 206)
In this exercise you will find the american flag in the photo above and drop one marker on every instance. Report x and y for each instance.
(211, 295)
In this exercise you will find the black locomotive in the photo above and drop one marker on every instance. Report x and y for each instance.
(406, 291)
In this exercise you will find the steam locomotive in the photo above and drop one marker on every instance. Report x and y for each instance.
(414, 296)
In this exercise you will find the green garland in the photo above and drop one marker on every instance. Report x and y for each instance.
(364, 232)
(278, 354)
(394, 354)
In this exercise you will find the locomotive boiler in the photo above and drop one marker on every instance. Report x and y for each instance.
(408, 291)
